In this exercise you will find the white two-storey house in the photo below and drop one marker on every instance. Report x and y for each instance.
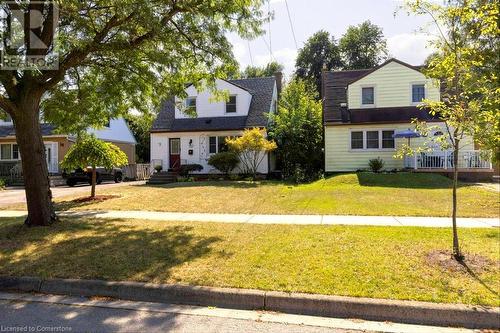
(178, 139)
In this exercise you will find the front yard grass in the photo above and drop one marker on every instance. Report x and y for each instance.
(400, 194)
(380, 262)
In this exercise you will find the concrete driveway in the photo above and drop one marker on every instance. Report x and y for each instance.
(14, 195)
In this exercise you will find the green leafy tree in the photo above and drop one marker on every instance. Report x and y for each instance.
(251, 148)
(90, 151)
(319, 52)
(297, 128)
(363, 46)
(140, 125)
(113, 56)
(269, 70)
(466, 62)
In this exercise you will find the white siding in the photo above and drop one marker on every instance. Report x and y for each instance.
(340, 157)
(206, 106)
(392, 84)
(199, 145)
(118, 131)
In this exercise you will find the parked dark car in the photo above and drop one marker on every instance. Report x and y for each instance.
(85, 176)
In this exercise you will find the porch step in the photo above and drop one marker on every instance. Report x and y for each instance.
(163, 177)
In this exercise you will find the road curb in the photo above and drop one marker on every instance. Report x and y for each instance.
(409, 312)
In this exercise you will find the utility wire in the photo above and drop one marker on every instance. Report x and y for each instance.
(268, 48)
(269, 29)
(250, 52)
(291, 24)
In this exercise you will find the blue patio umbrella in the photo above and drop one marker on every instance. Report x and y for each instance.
(407, 133)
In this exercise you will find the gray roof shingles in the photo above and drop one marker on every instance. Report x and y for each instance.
(8, 130)
(261, 90)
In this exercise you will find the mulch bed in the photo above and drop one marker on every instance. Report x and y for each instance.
(97, 198)
(471, 262)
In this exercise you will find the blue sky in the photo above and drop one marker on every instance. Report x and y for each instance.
(308, 16)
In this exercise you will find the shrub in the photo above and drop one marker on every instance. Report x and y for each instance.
(158, 168)
(2, 184)
(185, 169)
(376, 164)
(225, 162)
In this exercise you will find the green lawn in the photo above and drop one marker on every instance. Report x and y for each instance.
(403, 194)
(381, 262)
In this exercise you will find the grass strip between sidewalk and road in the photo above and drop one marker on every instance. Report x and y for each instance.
(379, 262)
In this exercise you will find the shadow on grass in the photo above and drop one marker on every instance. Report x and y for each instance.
(478, 279)
(406, 180)
(99, 249)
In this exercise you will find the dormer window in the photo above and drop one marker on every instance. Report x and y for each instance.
(368, 96)
(417, 93)
(231, 104)
(191, 104)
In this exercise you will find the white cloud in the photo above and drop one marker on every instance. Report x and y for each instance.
(411, 48)
(285, 56)
(239, 50)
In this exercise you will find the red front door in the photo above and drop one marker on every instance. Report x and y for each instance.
(175, 153)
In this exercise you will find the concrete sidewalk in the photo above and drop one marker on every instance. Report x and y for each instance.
(398, 221)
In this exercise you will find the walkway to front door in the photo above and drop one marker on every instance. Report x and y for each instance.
(175, 153)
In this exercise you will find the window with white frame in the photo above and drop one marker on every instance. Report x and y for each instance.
(217, 144)
(231, 104)
(372, 139)
(9, 151)
(368, 95)
(357, 140)
(417, 93)
(191, 104)
(388, 140)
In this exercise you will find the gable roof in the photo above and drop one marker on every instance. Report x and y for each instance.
(261, 90)
(369, 71)
(334, 85)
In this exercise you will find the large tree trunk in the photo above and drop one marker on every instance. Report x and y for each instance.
(456, 248)
(35, 171)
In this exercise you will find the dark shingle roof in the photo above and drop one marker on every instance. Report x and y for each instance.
(388, 115)
(6, 131)
(335, 93)
(261, 90)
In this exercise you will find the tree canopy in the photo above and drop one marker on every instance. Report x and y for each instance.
(466, 61)
(88, 151)
(269, 70)
(113, 56)
(363, 46)
(297, 128)
(319, 52)
(251, 148)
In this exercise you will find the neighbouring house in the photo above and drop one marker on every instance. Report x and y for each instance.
(364, 109)
(57, 145)
(178, 139)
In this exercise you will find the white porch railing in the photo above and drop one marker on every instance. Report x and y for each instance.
(470, 159)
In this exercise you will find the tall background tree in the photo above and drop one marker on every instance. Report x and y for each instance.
(269, 70)
(466, 61)
(363, 46)
(297, 128)
(113, 56)
(319, 52)
(140, 125)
